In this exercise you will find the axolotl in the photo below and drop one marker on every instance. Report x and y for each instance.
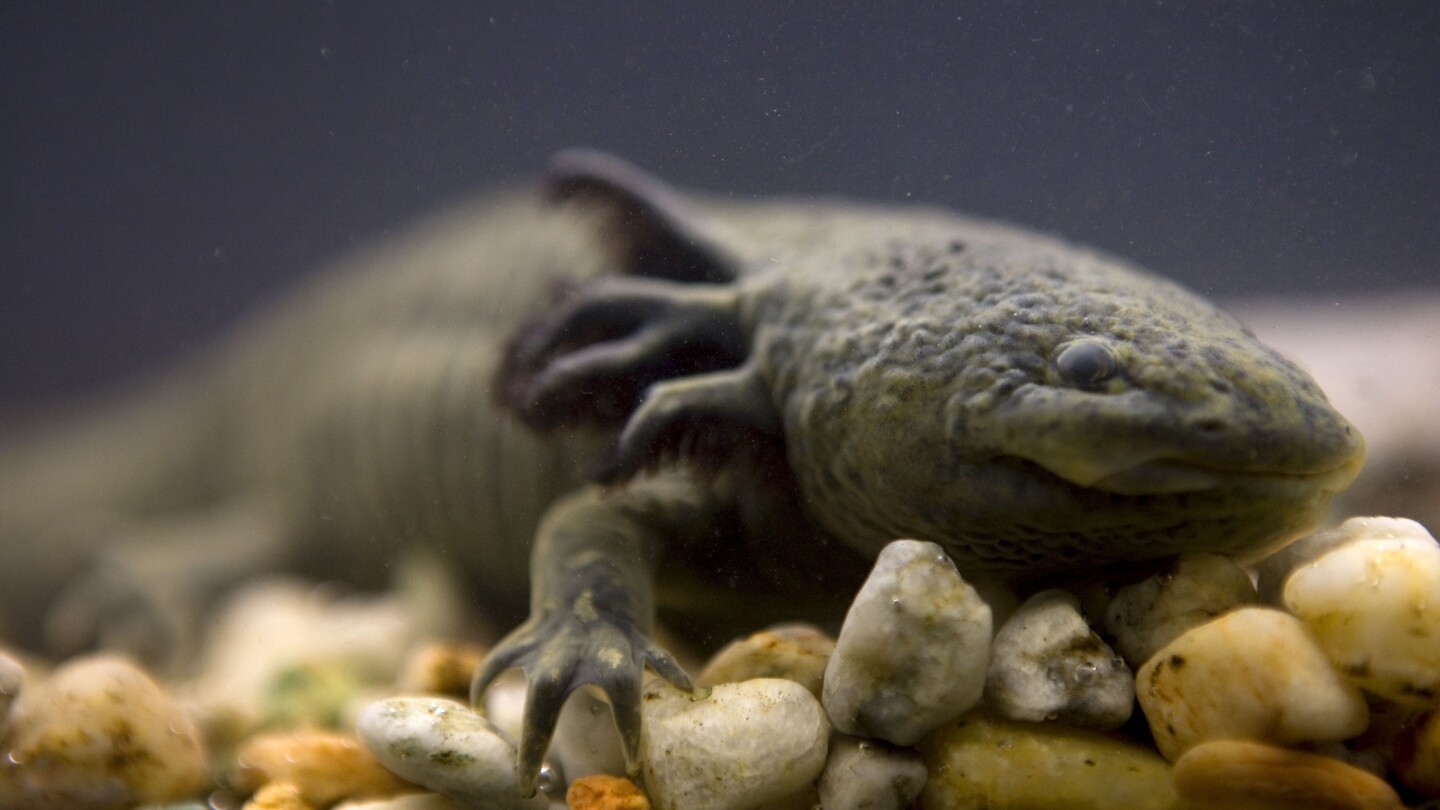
(649, 399)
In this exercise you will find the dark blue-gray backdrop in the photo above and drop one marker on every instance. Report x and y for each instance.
(165, 166)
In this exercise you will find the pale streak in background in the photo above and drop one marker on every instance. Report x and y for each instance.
(1378, 359)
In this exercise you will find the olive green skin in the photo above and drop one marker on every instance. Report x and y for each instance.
(911, 357)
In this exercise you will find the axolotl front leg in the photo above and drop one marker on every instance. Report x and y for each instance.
(658, 354)
(591, 610)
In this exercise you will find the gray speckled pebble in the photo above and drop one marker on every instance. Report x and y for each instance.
(870, 775)
(444, 746)
(1047, 664)
(913, 650)
(747, 745)
(98, 732)
(1149, 614)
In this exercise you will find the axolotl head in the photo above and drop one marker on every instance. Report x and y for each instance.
(1030, 405)
(1039, 407)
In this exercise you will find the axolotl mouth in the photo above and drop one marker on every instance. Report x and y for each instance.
(1168, 476)
(1135, 445)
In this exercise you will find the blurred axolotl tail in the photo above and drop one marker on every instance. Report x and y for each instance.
(73, 483)
(332, 431)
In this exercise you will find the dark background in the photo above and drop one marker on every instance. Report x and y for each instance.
(165, 166)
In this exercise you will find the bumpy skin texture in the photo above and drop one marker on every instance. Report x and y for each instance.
(768, 393)
(929, 376)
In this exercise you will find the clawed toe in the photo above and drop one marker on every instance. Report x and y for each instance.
(558, 662)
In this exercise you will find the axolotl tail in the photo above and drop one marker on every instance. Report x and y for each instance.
(73, 483)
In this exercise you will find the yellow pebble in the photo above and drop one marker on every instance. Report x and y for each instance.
(326, 767)
(601, 792)
(278, 796)
(797, 652)
(1238, 775)
(1251, 674)
(983, 763)
(441, 669)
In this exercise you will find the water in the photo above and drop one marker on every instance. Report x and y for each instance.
(166, 173)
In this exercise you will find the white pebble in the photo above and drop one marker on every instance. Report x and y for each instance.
(586, 741)
(1047, 664)
(1252, 674)
(444, 746)
(745, 745)
(1370, 591)
(913, 650)
(865, 774)
(505, 703)
(1197, 587)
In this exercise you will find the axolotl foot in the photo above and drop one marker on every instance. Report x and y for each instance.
(562, 652)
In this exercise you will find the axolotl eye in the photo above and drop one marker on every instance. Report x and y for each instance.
(1087, 363)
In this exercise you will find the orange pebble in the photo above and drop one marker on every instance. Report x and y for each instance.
(601, 792)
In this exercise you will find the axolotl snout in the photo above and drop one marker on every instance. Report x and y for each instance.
(762, 395)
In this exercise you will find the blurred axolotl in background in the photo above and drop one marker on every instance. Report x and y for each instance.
(634, 399)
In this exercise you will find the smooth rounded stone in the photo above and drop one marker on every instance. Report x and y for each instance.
(865, 774)
(504, 703)
(98, 733)
(1370, 591)
(1239, 775)
(1252, 674)
(446, 747)
(746, 745)
(12, 679)
(1047, 664)
(984, 763)
(914, 648)
(324, 766)
(797, 652)
(604, 792)
(1197, 587)
(586, 741)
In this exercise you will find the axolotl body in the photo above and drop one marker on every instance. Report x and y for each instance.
(648, 398)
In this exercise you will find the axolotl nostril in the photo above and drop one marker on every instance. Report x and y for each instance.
(714, 408)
